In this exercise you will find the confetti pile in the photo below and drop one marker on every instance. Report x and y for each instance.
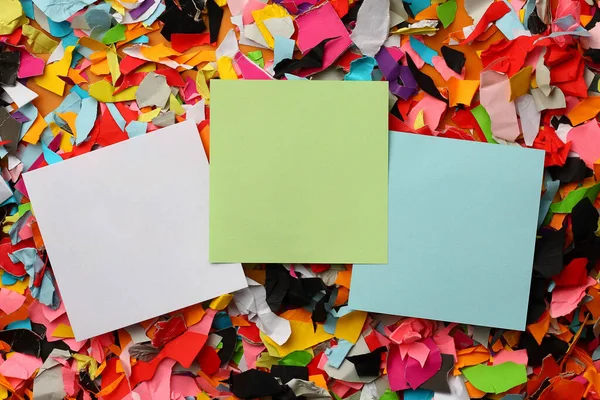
(78, 75)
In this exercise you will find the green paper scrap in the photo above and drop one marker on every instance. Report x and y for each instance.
(566, 205)
(257, 57)
(288, 188)
(23, 208)
(496, 379)
(484, 121)
(389, 395)
(265, 360)
(238, 353)
(114, 34)
(298, 358)
(446, 12)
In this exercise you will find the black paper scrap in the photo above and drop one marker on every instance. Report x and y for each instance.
(87, 383)
(594, 20)
(287, 394)
(537, 298)
(229, 336)
(574, 170)
(215, 16)
(406, 4)
(396, 112)
(9, 66)
(285, 291)
(593, 54)
(439, 381)
(253, 383)
(187, 19)
(424, 81)
(312, 59)
(143, 352)
(535, 23)
(352, 14)
(536, 353)
(454, 59)
(22, 341)
(368, 364)
(10, 129)
(584, 217)
(548, 258)
(319, 314)
(277, 285)
(288, 372)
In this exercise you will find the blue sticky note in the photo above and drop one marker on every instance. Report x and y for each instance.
(424, 51)
(462, 225)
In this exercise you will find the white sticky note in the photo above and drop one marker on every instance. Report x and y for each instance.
(126, 230)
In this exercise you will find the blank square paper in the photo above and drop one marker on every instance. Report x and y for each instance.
(462, 226)
(126, 230)
(298, 172)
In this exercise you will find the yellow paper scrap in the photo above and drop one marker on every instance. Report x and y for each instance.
(270, 11)
(420, 120)
(462, 91)
(40, 43)
(103, 91)
(92, 44)
(221, 3)
(221, 302)
(18, 286)
(113, 64)
(149, 116)
(225, 68)
(202, 396)
(69, 117)
(35, 131)
(88, 362)
(149, 67)
(158, 52)
(50, 79)
(11, 16)
(3, 393)
(520, 83)
(63, 331)
(202, 87)
(265, 360)
(175, 106)
(303, 336)
(415, 31)
(117, 6)
(350, 326)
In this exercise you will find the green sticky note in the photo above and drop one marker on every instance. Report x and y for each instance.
(299, 172)
(446, 12)
(497, 378)
(114, 34)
